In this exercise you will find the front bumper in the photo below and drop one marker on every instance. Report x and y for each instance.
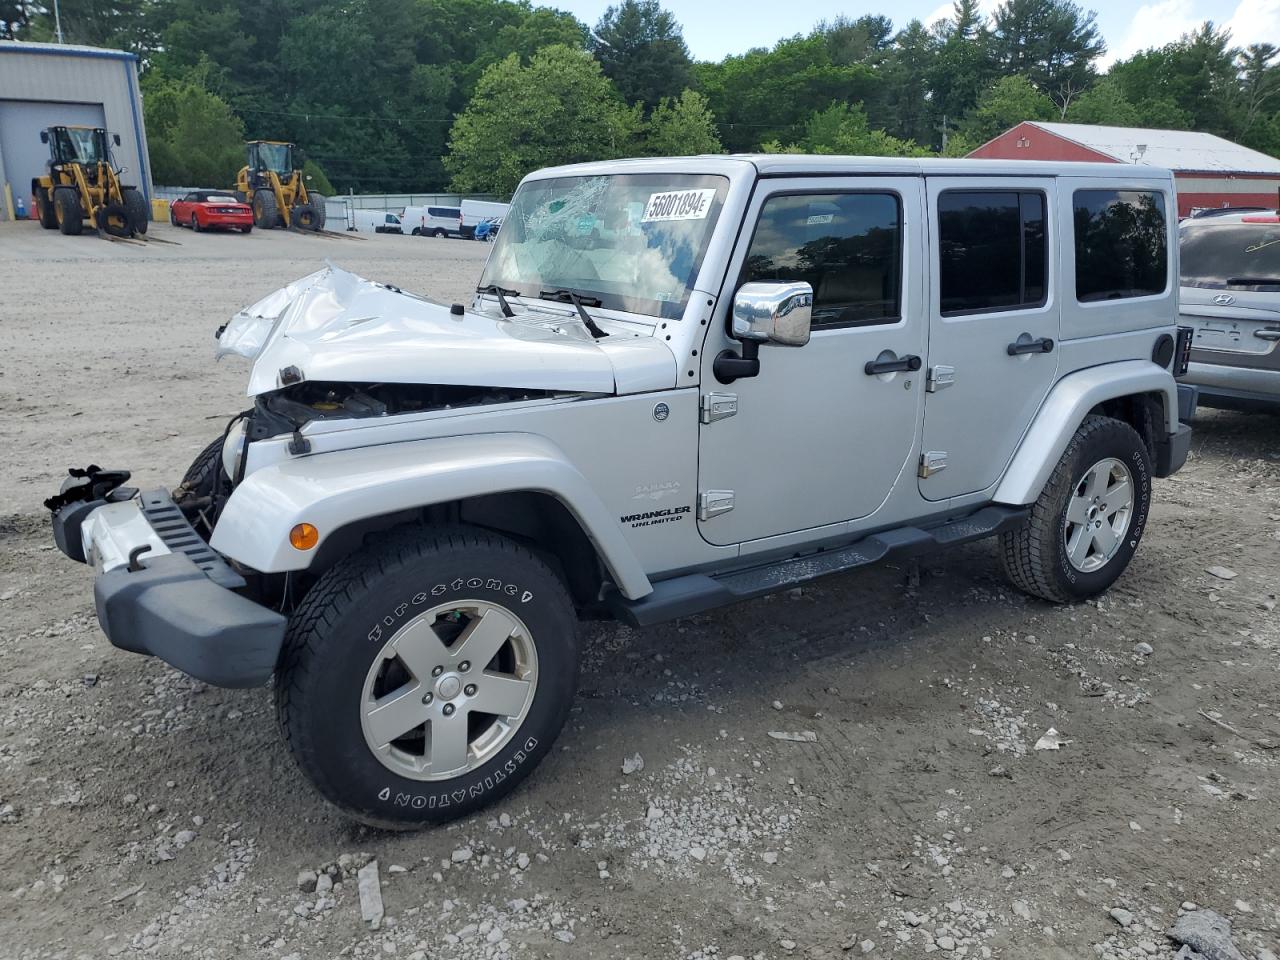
(162, 591)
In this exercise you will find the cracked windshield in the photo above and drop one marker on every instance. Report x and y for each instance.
(631, 242)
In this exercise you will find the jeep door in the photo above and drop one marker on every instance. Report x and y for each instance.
(993, 325)
(817, 438)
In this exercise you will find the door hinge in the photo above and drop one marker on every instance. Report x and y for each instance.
(712, 503)
(932, 461)
(940, 377)
(718, 406)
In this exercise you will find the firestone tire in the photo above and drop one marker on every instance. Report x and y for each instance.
(335, 652)
(1054, 555)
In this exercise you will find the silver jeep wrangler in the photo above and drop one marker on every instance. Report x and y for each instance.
(681, 383)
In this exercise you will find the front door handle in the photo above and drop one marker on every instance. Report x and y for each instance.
(901, 365)
(1028, 344)
(1267, 334)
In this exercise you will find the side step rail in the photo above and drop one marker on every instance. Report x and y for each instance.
(697, 592)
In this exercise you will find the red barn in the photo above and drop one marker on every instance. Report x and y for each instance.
(1210, 171)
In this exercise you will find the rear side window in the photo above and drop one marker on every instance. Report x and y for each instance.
(848, 247)
(449, 213)
(1121, 244)
(991, 251)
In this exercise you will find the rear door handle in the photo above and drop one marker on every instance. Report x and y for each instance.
(1271, 334)
(1025, 344)
(901, 365)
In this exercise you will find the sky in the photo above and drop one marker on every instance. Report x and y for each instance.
(714, 29)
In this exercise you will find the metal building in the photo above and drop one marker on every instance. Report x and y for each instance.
(1209, 171)
(48, 84)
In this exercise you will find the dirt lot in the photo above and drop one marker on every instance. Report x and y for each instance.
(144, 814)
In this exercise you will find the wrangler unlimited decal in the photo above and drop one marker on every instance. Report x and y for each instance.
(651, 517)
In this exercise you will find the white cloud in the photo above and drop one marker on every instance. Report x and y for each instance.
(1154, 25)
(1255, 21)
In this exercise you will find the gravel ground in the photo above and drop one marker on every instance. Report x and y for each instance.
(144, 814)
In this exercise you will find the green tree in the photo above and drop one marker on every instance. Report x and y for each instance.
(766, 95)
(1198, 74)
(558, 109)
(193, 137)
(1006, 103)
(906, 102)
(117, 24)
(681, 127)
(843, 129)
(1106, 103)
(963, 65)
(641, 49)
(1052, 42)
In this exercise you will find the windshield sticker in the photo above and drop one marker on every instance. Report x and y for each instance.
(821, 218)
(678, 205)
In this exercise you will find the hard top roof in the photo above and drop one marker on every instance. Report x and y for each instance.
(800, 165)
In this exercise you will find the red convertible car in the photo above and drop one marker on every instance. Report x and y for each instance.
(203, 209)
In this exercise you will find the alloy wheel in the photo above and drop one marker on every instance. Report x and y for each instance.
(1098, 515)
(449, 690)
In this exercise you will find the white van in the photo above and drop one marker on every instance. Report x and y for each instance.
(476, 211)
(432, 221)
(378, 221)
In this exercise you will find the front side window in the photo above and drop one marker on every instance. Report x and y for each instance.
(1236, 256)
(1121, 244)
(632, 242)
(848, 247)
(991, 251)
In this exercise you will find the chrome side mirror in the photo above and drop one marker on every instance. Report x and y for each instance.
(773, 313)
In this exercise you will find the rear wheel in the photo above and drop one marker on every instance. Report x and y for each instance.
(265, 212)
(135, 205)
(1088, 521)
(248, 229)
(424, 678)
(44, 207)
(195, 223)
(67, 209)
(440, 232)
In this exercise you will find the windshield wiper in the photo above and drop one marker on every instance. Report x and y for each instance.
(501, 294)
(1253, 281)
(577, 299)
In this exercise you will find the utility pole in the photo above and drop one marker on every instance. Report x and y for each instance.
(944, 133)
(57, 21)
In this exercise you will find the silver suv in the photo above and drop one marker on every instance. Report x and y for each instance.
(1231, 297)
(681, 383)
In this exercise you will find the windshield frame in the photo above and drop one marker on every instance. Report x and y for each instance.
(615, 301)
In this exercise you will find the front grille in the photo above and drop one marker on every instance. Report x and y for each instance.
(171, 526)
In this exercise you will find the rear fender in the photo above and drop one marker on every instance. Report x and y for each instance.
(1062, 412)
(333, 490)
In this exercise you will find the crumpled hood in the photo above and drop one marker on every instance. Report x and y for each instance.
(336, 326)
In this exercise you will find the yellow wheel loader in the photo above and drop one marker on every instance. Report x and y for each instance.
(80, 184)
(272, 183)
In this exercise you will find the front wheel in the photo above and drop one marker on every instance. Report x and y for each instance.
(1088, 521)
(439, 233)
(426, 676)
